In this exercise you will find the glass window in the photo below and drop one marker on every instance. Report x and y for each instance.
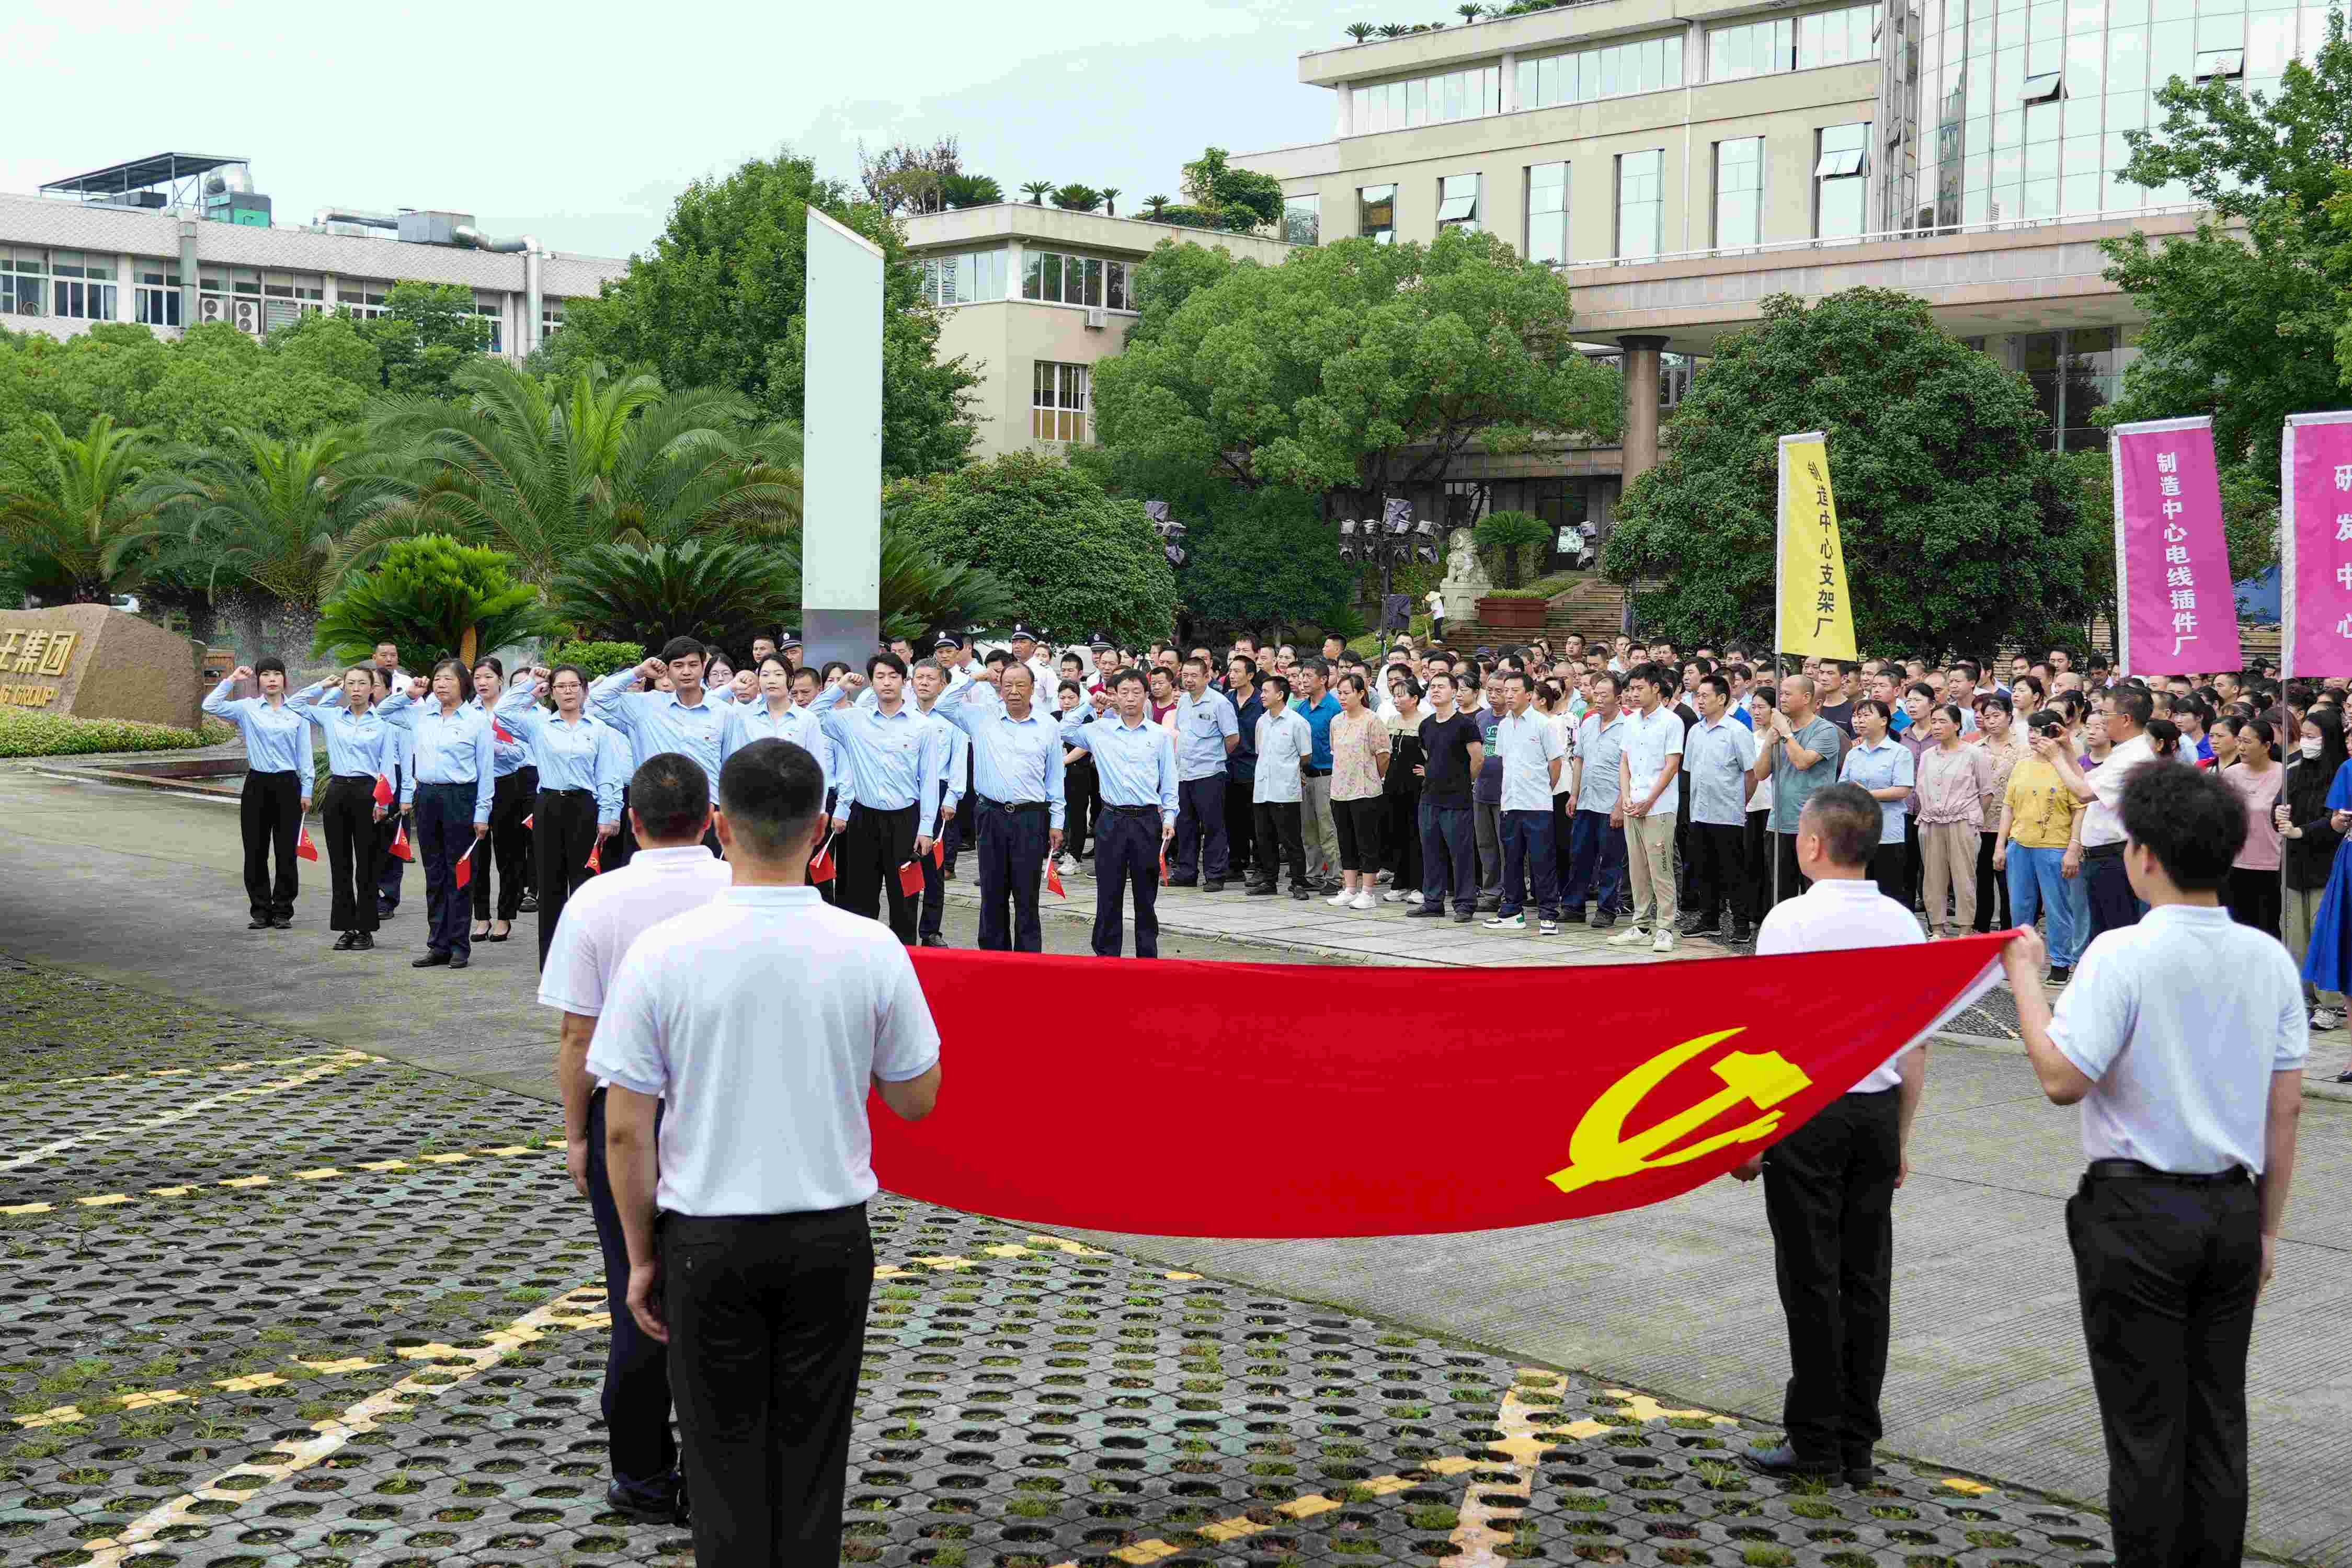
(1059, 402)
(1457, 201)
(2216, 63)
(1302, 219)
(1547, 213)
(1840, 186)
(83, 301)
(1640, 204)
(1739, 191)
(155, 306)
(21, 295)
(1435, 99)
(1376, 213)
(1647, 66)
(2043, 89)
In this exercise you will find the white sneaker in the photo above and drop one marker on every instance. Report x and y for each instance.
(1412, 898)
(1666, 942)
(2326, 1018)
(1069, 866)
(1343, 896)
(1392, 896)
(1385, 877)
(1631, 937)
(1364, 900)
(1506, 923)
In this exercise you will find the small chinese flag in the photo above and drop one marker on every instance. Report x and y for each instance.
(526, 825)
(464, 869)
(303, 848)
(383, 790)
(502, 732)
(819, 869)
(910, 878)
(939, 852)
(596, 857)
(1163, 868)
(1054, 880)
(400, 849)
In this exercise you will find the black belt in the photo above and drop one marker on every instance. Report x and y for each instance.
(1316, 772)
(2103, 851)
(354, 778)
(2132, 1170)
(583, 794)
(1136, 811)
(1014, 805)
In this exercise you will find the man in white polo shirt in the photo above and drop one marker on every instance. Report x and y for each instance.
(755, 1025)
(1650, 795)
(672, 871)
(2106, 887)
(1829, 1187)
(2183, 1038)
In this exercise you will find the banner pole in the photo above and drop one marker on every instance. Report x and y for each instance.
(2288, 745)
(1779, 642)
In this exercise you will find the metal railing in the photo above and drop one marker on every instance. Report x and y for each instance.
(1940, 230)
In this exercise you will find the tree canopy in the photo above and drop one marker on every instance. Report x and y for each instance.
(721, 301)
(1960, 529)
(1261, 560)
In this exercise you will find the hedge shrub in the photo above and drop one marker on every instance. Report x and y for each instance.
(24, 734)
(599, 659)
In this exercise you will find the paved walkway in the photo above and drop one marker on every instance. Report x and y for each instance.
(1988, 1374)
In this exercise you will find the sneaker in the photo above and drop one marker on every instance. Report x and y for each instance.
(1548, 928)
(1603, 921)
(1385, 878)
(1364, 900)
(1413, 898)
(1464, 916)
(1262, 890)
(1701, 925)
(1664, 943)
(1424, 912)
(529, 904)
(2060, 973)
(1069, 866)
(1301, 895)
(1508, 923)
(1392, 896)
(1631, 937)
(2320, 1018)
(1342, 897)
(1740, 935)
(1574, 917)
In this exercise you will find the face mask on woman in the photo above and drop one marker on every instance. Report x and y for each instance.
(2311, 749)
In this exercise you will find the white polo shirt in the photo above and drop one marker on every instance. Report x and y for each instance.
(2102, 824)
(2179, 1020)
(603, 919)
(762, 1018)
(1833, 916)
(1650, 739)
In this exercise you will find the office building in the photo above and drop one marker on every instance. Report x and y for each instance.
(179, 238)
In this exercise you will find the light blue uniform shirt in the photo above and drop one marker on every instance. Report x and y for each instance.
(585, 752)
(1015, 762)
(1202, 724)
(1527, 744)
(277, 740)
(506, 756)
(1886, 765)
(1135, 765)
(957, 760)
(1715, 760)
(886, 763)
(1601, 745)
(1284, 741)
(656, 722)
(748, 722)
(355, 747)
(451, 748)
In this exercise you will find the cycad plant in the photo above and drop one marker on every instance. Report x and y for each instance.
(84, 509)
(438, 599)
(722, 590)
(919, 590)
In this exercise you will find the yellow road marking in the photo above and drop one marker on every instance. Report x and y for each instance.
(195, 1108)
(1973, 1489)
(318, 1173)
(1642, 1407)
(327, 1436)
(355, 1056)
(1486, 1521)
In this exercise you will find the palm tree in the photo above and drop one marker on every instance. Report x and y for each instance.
(1037, 191)
(1394, 29)
(1156, 206)
(1469, 12)
(1360, 31)
(83, 508)
(1110, 201)
(721, 588)
(544, 473)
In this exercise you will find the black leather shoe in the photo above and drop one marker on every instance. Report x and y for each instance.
(529, 904)
(430, 961)
(934, 941)
(363, 942)
(456, 963)
(347, 941)
(1179, 882)
(260, 925)
(283, 921)
(1782, 1461)
(1573, 917)
(1262, 890)
(643, 1510)
(386, 911)
(1602, 921)
(1424, 912)
(1301, 895)
(1860, 1476)
(1217, 886)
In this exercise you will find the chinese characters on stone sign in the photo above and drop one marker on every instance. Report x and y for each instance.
(1825, 604)
(35, 651)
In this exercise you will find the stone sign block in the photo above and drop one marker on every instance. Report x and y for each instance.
(92, 661)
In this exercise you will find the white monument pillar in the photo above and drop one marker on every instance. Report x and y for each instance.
(841, 534)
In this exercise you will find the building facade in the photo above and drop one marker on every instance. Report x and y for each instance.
(1032, 296)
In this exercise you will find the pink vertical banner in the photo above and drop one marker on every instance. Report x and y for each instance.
(2178, 605)
(2316, 545)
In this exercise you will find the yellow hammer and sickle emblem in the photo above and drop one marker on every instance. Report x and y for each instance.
(1599, 1151)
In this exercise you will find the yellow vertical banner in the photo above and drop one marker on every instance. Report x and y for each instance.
(1816, 613)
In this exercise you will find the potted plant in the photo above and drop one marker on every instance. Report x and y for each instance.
(1507, 536)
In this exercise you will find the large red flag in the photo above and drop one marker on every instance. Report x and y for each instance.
(1366, 1101)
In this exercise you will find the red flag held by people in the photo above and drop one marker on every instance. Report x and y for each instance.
(820, 867)
(400, 849)
(303, 848)
(1672, 1077)
(910, 878)
(464, 873)
(596, 857)
(502, 732)
(1163, 867)
(526, 823)
(939, 852)
(385, 794)
(1054, 880)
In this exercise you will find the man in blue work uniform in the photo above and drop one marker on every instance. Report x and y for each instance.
(1135, 766)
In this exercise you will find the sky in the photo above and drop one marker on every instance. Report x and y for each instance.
(581, 124)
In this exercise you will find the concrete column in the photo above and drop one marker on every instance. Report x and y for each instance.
(329, 292)
(126, 292)
(1640, 445)
(187, 273)
(841, 572)
(1511, 104)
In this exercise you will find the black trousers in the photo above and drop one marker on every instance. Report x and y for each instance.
(1201, 831)
(444, 835)
(1759, 865)
(644, 1454)
(269, 817)
(935, 878)
(1829, 1192)
(1012, 862)
(623, 846)
(509, 844)
(348, 817)
(1240, 818)
(1081, 803)
(2168, 1273)
(563, 837)
(1127, 858)
(1446, 859)
(1718, 871)
(1401, 837)
(872, 848)
(1994, 885)
(1278, 842)
(2107, 885)
(1793, 881)
(767, 1330)
(1890, 868)
(2254, 898)
(390, 867)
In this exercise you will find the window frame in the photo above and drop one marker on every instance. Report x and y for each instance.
(1365, 208)
(1061, 403)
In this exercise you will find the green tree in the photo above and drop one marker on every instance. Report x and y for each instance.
(2247, 324)
(438, 599)
(1360, 31)
(1262, 559)
(1110, 201)
(1212, 183)
(1509, 534)
(1355, 365)
(720, 590)
(1037, 191)
(83, 510)
(1155, 206)
(427, 334)
(720, 301)
(1077, 198)
(1072, 558)
(969, 191)
(1960, 529)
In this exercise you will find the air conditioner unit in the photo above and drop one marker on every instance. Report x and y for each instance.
(1098, 318)
(210, 308)
(248, 316)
